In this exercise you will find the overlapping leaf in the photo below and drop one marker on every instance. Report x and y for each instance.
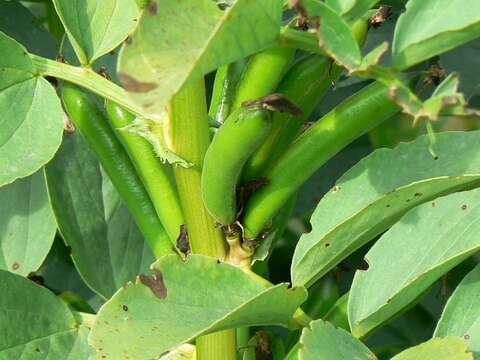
(37, 325)
(178, 41)
(449, 348)
(351, 9)
(431, 27)
(27, 224)
(31, 115)
(426, 243)
(107, 247)
(184, 300)
(96, 27)
(461, 316)
(365, 201)
(322, 341)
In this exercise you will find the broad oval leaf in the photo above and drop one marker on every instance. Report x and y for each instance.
(351, 9)
(449, 348)
(461, 316)
(178, 41)
(365, 202)
(32, 127)
(27, 225)
(66, 345)
(323, 341)
(432, 27)
(35, 324)
(184, 300)
(335, 35)
(96, 27)
(426, 243)
(107, 247)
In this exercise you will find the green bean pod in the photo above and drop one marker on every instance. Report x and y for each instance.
(352, 118)
(155, 176)
(262, 74)
(224, 88)
(304, 84)
(234, 143)
(89, 119)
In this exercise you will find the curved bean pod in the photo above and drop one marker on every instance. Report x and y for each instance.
(262, 74)
(89, 119)
(155, 176)
(304, 84)
(352, 118)
(234, 143)
(224, 87)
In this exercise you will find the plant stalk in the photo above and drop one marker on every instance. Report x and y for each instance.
(88, 79)
(190, 138)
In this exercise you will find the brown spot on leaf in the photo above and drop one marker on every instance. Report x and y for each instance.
(183, 245)
(336, 188)
(15, 266)
(153, 7)
(133, 85)
(125, 307)
(103, 72)
(433, 204)
(466, 337)
(417, 194)
(155, 283)
(383, 14)
(275, 102)
(434, 75)
(464, 207)
(263, 349)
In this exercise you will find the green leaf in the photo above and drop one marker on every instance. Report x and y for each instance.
(335, 36)
(449, 348)
(431, 27)
(35, 324)
(66, 345)
(19, 23)
(365, 202)
(27, 225)
(107, 247)
(425, 244)
(96, 27)
(185, 300)
(178, 41)
(461, 316)
(32, 128)
(351, 9)
(322, 341)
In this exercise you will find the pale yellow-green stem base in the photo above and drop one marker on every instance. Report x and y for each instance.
(217, 346)
(190, 138)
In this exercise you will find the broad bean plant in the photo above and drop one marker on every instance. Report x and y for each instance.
(239, 179)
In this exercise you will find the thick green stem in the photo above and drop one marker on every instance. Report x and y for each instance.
(88, 79)
(190, 139)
